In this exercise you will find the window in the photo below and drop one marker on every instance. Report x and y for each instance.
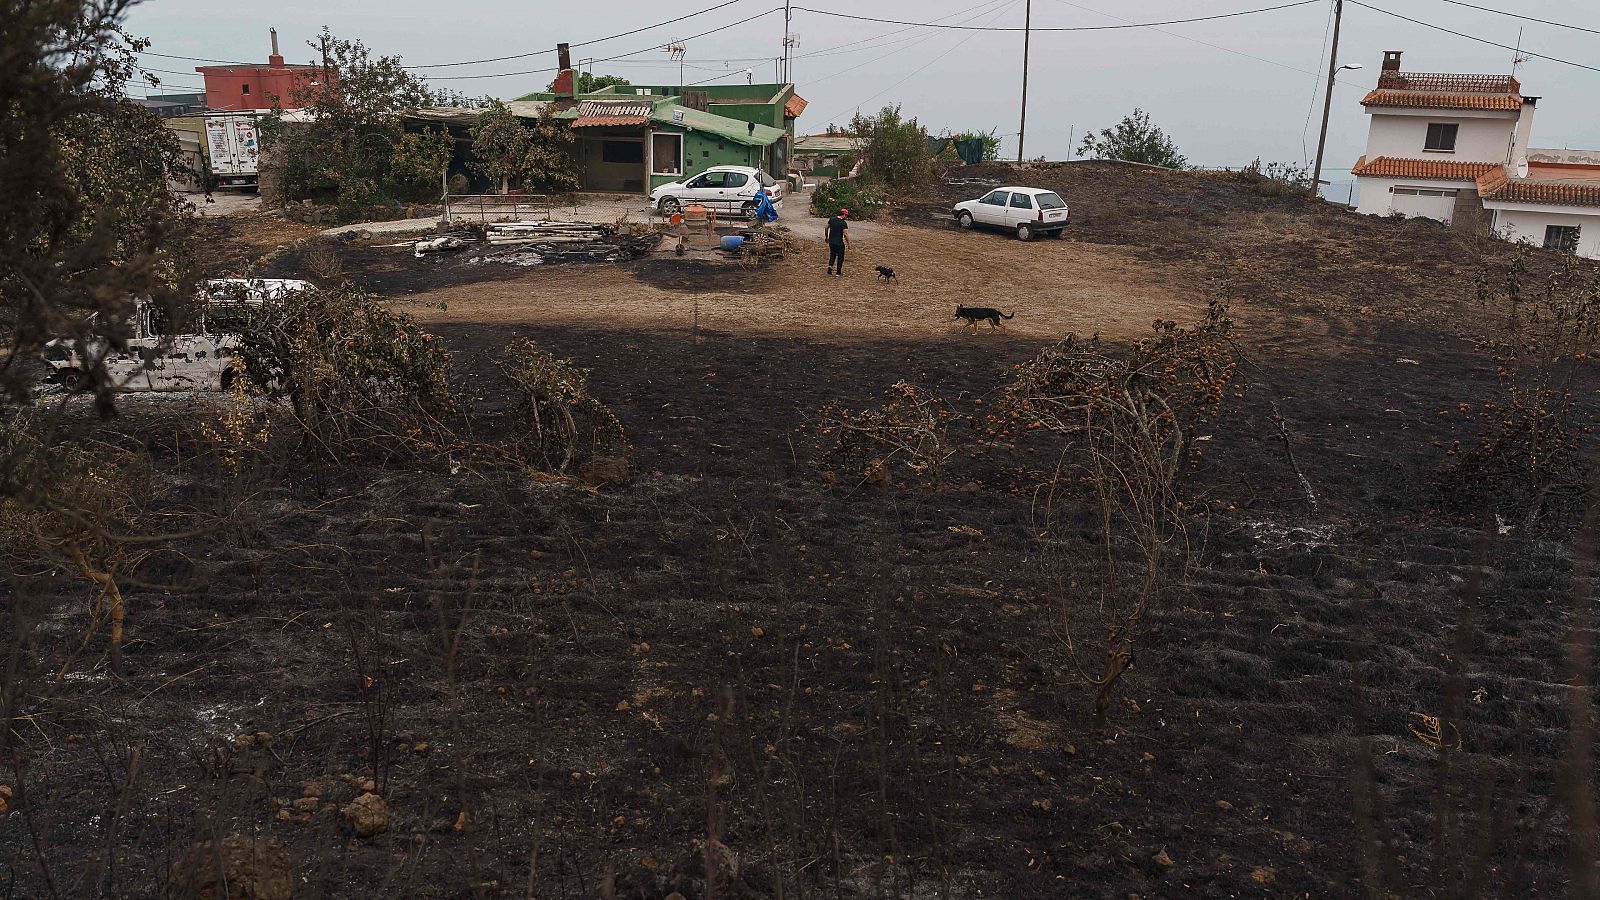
(666, 154)
(765, 179)
(734, 179)
(1021, 201)
(708, 180)
(995, 198)
(622, 151)
(244, 89)
(1423, 192)
(1561, 237)
(1441, 137)
(1051, 200)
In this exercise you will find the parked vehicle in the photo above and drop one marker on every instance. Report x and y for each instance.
(160, 358)
(234, 149)
(1024, 210)
(723, 188)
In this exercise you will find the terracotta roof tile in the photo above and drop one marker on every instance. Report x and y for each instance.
(1440, 83)
(613, 112)
(795, 105)
(1433, 169)
(1496, 185)
(1433, 100)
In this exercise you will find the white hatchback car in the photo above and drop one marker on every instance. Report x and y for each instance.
(1024, 210)
(723, 188)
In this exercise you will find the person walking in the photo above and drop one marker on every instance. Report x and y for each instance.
(838, 240)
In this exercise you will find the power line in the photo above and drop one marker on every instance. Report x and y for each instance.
(1010, 5)
(987, 7)
(472, 62)
(1244, 12)
(1520, 16)
(608, 58)
(1471, 37)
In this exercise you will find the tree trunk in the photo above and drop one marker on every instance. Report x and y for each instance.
(108, 589)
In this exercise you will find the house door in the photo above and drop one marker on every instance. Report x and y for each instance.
(1427, 203)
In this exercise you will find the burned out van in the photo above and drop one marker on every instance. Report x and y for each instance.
(160, 357)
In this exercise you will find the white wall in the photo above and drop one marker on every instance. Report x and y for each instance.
(1376, 200)
(1477, 139)
(1528, 225)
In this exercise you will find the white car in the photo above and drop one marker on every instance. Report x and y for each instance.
(729, 189)
(161, 359)
(1024, 210)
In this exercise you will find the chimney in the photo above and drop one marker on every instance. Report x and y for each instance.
(275, 60)
(1517, 159)
(566, 84)
(1391, 60)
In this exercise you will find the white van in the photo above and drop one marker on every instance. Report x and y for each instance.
(158, 359)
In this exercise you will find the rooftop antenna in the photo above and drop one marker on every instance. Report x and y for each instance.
(1517, 58)
(676, 50)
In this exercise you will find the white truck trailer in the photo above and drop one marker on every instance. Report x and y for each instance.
(233, 149)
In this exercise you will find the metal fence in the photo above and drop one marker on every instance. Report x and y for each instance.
(596, 208)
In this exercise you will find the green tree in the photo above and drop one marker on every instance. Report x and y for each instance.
(417, 165)
(1134, 139)
(588, 82)
(500, 145)
(510, 152)
(895, 149)
(353, 124)
(86, 221)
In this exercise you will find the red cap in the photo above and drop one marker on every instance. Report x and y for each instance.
(844, 213)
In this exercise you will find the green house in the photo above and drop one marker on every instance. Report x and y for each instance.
(633, 138)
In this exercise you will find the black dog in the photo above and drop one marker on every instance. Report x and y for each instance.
(975, 314)
(886, 273)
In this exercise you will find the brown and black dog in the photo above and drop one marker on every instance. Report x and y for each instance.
(976, 314)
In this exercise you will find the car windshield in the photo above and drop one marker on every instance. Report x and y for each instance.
(1048, 200)
(765, 179)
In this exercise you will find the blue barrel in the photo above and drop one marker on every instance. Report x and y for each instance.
(732, 242)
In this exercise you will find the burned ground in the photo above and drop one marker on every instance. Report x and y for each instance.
(862, 685)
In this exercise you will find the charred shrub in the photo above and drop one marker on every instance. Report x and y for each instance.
(908, 431)
(1128, 419)
(76, 506)
(1524, 458)
(362, 381)
(559, 424)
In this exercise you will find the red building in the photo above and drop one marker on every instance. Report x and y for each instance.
(246, 87)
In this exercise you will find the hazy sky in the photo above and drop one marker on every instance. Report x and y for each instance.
(1223, 106)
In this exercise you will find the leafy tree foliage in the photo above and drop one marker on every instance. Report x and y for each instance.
(1134, 139)
(86, 219)
(990, 139)
(346, 147)
(419, 160)
(588, 82)
(895, 148)
(510, 152)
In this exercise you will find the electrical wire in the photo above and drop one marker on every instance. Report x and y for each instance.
(1520, 16)
(1470, 37)
(1229, 15)
(610, 37)
(1316, 80)
(608, 58)
(988, 8)
(1012, 4)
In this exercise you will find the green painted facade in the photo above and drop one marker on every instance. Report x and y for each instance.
(743, 125)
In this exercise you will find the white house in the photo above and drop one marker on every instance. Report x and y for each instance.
(1456, 148)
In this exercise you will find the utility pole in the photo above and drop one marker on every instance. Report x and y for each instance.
(787, 13)
(1327, 102)
(1027, 34)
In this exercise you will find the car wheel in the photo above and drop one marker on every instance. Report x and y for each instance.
(748, 209)
(670, 206)
(71, 380)
(964, 219)
(227, 378)
(1024, 232)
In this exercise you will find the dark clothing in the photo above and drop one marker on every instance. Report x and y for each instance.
(836, 258)
(836, 229)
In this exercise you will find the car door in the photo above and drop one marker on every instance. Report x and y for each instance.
(991, 208)
(735, 188)
(1019, 210)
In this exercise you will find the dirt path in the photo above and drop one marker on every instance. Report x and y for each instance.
(1052, 286)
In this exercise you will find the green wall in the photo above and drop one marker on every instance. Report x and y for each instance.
(702, 151)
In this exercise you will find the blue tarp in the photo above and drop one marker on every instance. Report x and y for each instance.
(764, 209)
